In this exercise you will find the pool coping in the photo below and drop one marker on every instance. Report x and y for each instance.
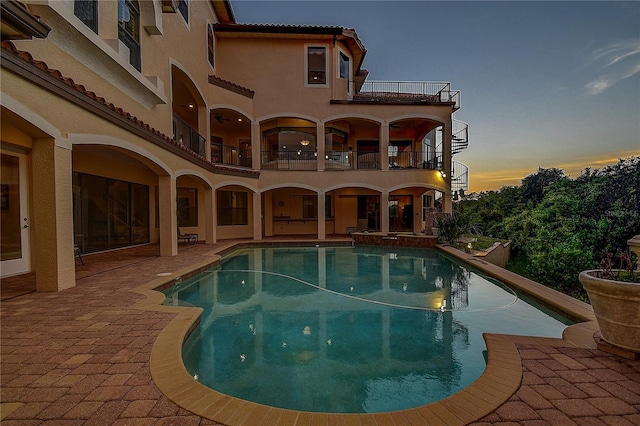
(500, 380)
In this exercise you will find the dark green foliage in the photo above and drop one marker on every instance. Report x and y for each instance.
(453, 226)
(558, 225)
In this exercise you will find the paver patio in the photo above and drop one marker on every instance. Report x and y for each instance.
(82, 356)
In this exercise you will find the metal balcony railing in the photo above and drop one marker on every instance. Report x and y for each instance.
(415, 160)
(187, 136)
(408, 91)
(352, 160)
(349, 160)
(288, 160)
(230, 155)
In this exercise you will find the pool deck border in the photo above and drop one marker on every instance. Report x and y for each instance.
(500, 380)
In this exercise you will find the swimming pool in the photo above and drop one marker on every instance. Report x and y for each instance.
(347, 330)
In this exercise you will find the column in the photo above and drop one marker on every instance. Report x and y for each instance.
(203, 129)
(257, 216)
(321, 216)
(384, 211)
(52, 224)
(384, 146)
(210, 215)
(168, 216)
(418, 208)
(320, 147)
(256, 146)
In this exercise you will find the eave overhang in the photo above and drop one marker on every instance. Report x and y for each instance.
(19, 24)
(224, 11)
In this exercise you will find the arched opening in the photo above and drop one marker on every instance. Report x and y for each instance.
(114, 198)
(188, 109)
(230, 138)
(289, 144)
(352, 143)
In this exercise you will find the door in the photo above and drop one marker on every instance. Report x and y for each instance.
(15, 250)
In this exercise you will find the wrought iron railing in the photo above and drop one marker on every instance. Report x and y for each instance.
(188, 136)
(413, 91)
(349, 160)
(415, 160)
(230, 155)
(288, 160)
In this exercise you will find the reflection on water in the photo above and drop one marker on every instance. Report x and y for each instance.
(346, 329)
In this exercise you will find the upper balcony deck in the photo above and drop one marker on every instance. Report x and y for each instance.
(409, 92)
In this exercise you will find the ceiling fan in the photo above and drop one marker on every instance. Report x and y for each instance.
(220, 118)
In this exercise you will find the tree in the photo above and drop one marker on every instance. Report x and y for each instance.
(534, 185)
(558, 225)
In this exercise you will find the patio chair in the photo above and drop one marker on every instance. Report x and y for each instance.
(78, 241)
(77, 254)
(190, 238)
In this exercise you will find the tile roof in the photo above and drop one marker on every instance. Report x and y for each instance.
(169, 142)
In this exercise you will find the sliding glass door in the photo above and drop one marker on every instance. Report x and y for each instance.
(109, 213)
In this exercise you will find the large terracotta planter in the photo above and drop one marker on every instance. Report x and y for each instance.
(616, 305)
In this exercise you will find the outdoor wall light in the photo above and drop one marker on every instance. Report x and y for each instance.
(443, 174)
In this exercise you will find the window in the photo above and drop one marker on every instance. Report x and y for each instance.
(232, 208)
(183, 8)
(316, 65)
(210, 44)
(109, 213)
(129, 29)
(309, 207)
(344, 65)
(87, 12)
(187, 207)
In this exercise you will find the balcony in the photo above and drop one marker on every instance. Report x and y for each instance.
(414, 92)
(415, 160)
(288, 160)
(349, 160)
(230, 155)
(188, 136)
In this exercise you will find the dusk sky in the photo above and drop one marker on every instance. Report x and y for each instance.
(543, 84)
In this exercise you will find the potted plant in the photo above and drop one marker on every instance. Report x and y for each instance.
(615, 298)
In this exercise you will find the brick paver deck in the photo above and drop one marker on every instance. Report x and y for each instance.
(82, 356)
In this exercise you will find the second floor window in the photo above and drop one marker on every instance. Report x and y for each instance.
(210, 44)
(316, 65)
(87, 12)
(129, 29)
(344, 65)
(183, 8)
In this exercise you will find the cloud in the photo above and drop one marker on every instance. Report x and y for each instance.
(618, 61)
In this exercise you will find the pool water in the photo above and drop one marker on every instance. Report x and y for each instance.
(347, 329)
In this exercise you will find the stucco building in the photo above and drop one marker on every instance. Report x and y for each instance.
(132, 122)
